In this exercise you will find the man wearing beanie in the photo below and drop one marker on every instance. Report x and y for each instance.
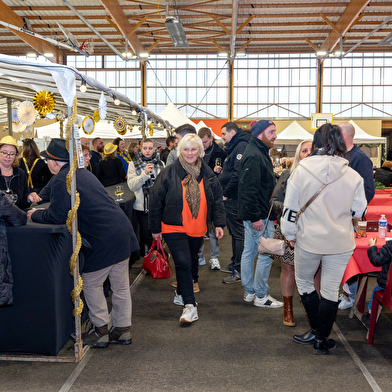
(255, 186)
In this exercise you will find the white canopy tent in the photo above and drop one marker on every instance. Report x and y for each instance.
(293, 135)
(173, 115)
(361, 137)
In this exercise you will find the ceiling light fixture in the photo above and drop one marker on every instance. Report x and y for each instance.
(321, 53)
(116, 101)
(144, 55)
(240, 54)
(223, 54)
(49, 54)
(176, 32)
(31, 55)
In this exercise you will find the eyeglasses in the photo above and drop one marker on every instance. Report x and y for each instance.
(10, 154)
(87, 155)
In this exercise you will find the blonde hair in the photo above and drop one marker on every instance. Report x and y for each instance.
(387, 164)
(297, 152)
(190, 139)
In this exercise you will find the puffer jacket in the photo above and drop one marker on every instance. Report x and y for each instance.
(382, 258)
(326, 225)
(166, 202)
(13, 216)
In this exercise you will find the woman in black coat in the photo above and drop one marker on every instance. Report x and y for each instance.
(384, 174)
(13, 216)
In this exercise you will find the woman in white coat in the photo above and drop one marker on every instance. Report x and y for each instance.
(323, 232)
(142, 172)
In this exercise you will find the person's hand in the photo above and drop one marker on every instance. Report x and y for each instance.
(218, 169)
(148, 168)
(33, 198)
(157, 236)
(258, 225)
(30, 212)
(224, 198)
(218, 232)
(372, 241)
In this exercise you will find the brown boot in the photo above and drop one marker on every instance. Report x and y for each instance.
(288, 318)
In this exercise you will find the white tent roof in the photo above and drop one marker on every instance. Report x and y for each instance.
(172, 114)
(202, 124)
(293, 134)
(102, 129)
(361, 137)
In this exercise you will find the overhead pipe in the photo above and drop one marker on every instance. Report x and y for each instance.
(233, 28)
(93, 29)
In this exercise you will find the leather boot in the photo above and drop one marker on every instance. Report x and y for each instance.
(288, 317)
(326, 317)
(311, 304)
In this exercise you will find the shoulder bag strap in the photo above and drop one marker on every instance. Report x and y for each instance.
(265, 226)
(307, 204)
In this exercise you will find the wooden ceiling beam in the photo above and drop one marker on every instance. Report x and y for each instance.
(221, 25)
(41, 46)
(349, 15)
(120, 19)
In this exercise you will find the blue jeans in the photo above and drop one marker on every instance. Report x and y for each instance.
(377, 288)
(256, 282)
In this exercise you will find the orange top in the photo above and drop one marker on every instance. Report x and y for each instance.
(191, 226)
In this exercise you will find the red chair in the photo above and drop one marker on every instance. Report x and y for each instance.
(380, 298)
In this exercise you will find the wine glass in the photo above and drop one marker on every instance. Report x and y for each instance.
(218, 162)
(118, 191)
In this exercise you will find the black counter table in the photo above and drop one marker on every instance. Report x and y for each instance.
(40, 320)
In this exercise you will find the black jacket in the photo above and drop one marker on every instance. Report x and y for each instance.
(381, 259)
(278, 194)
(18, 184)
(166, 202)
(229, 176)
(13, 216)
(40, 175)
(384, 175)
(256, 182)
(213, 152)
(163, 155)
(107, 234)
(110, 171)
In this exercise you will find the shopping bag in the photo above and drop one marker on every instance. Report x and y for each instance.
(155, 262)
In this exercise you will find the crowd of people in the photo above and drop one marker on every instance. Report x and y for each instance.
(192, 190)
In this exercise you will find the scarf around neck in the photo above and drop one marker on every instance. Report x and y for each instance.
(140, 162)
(192, 190)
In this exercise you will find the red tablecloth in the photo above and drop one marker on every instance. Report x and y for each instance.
(383, 191)
(374, 212)
(359, 262)
(381, 199)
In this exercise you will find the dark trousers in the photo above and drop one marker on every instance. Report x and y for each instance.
(236, 230)
(140, 220)
(184, 250)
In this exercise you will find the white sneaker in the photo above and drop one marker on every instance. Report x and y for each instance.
(189, 314)
(249, 297)
(178, 299)
(267, 302)
(202, 261)
(345, 302)
(215, 264)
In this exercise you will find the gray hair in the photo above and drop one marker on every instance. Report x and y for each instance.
(190, 139)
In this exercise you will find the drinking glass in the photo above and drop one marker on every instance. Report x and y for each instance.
(218, 162)
(118, 191)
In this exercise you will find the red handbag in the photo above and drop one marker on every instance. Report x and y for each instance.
(155, 262)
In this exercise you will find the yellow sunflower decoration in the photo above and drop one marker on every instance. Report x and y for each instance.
(96, 115)
(44, 102)
(120, 125)
(151, 129)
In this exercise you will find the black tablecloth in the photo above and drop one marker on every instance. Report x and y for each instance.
(40, 320)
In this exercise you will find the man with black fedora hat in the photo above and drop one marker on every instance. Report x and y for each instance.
(106, 249)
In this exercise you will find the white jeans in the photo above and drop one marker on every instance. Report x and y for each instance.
(333, 267)
(121, 299)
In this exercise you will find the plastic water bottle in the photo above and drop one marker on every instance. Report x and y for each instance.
(382, 226)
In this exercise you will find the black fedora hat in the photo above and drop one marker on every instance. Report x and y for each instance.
(56, 151)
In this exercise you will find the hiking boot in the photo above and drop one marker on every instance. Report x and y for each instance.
(120, 335)
(96, 336)
(189, 314)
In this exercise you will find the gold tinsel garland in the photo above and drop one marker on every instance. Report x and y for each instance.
(44, 102)
(72, 215)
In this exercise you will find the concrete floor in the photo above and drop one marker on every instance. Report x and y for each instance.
(234, 346)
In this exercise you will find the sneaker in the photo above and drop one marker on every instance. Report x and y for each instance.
(120, 335)
(365, 319)
(215, 264)
(249, 297)
(174, 284)
(202, 260)
(178, 299)
(267, 302)
(233, 278)
(96, 336)
(189, 314)
(228, 270)
(345, 302)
